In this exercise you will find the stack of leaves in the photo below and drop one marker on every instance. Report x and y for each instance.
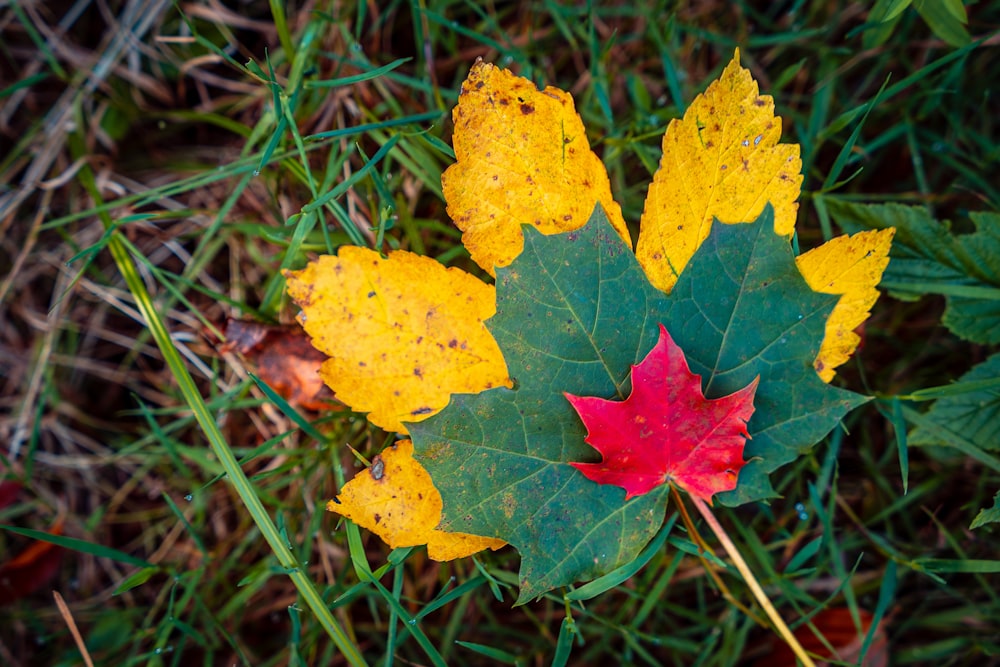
(543, 412)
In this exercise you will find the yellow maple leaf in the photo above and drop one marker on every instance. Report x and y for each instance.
(396, 499)
(403, 332)
(850, 266)
(722, 160)
(522, 158)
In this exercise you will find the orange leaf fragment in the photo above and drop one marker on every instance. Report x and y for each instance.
(837, 627)
(285, 360)
(403, 332)
(32, 568)
(851, 266)
(722, 160)
(522, 158)
(396, 499)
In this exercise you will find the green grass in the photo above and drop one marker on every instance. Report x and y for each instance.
(190, 165)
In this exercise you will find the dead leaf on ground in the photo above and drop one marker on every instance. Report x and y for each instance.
(31, 569)
(837, 626)
(285, 359)
(8, 492)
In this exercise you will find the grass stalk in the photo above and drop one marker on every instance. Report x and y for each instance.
(751, 580)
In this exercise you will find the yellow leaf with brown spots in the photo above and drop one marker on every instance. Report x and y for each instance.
(722, 160)
(850, 266)
(396, 499)
(522, 158)
(403, 333)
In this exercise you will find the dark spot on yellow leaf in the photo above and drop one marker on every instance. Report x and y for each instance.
(377, 471)
(567, 217)
(378, 518)
(453, 343)
(418, 372)
(371, 294)
(527, 108)
(759, 102)
(422, 411)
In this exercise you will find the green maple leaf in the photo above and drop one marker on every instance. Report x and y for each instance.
(574, 312)
(746, 311)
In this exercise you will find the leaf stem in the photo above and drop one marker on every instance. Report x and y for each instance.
(710, 568)
(751, 580)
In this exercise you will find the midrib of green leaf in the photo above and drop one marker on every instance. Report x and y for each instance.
(185, 382)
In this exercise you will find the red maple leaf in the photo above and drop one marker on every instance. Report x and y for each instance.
(666, 430)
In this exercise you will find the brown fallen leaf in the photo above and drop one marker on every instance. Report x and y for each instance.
(8, 492)
(837, 626)
(285, 360)
(31, 569)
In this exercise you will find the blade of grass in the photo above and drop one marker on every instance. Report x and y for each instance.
(129, 271)
(751, 582)
(83, 546)
(612, 579)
